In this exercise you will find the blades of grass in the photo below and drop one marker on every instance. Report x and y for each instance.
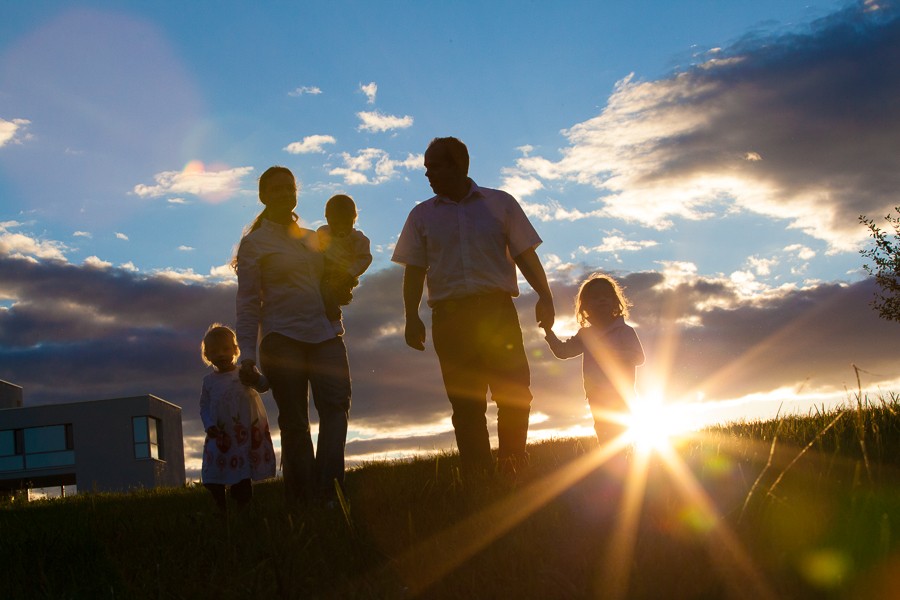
(761, 473)
(861, 424)
(803, 451)
(345, 507)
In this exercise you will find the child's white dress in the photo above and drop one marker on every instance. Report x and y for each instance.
(243, 449)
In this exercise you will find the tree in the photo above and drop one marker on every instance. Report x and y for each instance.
(885, 256)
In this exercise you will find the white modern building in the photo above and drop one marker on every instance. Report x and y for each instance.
(97, 445)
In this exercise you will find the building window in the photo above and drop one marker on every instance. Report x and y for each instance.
(37, 447)
(148, 438)
(12, 454)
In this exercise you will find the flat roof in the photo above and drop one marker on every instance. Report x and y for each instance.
(143, 396)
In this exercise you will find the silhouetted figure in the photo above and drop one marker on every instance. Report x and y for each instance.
(238, 446)
(347, 255)
(611, 350)
(279, 268)
(466, 242)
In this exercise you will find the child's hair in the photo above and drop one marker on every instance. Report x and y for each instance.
(218, 331)
(598, 282)
(341, 204)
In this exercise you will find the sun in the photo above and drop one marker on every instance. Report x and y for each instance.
(652, 424)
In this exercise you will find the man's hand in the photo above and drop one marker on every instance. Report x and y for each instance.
(413, 285)
(249, 374)
(530, 265)
(415, 332)
(544, 313)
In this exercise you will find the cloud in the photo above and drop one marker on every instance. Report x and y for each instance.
(310, 144)
(554, 211)
(94, 262)
(782, 337)
(520, 185)
(771, 125)
(373, 166)
(370, 90)
(616, 243)
(305, 90)
(183, 276)
(77, 332)
(556, 268)
(12, 132)
(213, 186)
(121, 236)
(225, 271)
(183, 248)
(376, 122)
(20, 245)
(84, 234)
(802, 252)
(762, 266)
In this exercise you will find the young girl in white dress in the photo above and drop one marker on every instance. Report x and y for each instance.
(611, 350)
(238, 445)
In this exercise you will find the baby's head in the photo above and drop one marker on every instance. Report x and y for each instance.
(600, 298)
(219, 347)
(340, 212)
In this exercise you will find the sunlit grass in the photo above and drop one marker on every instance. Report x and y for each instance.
(621, 520)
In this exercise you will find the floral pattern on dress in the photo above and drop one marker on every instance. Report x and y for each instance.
(243, 448)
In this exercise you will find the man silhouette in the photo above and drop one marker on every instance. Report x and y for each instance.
(465, 243)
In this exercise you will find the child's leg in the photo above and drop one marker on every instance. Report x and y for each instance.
(332, 308)
(242, 492)
(218, 493)
(343, 288)
(607, 431)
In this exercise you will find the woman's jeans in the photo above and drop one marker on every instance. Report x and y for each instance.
(292, 368)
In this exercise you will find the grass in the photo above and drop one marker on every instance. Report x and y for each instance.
(794, 507)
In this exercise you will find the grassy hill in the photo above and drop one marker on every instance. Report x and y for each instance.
(796, 507)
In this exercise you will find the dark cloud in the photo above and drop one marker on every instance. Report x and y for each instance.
(819, 107)
(799, 126)
(77, 333)
(808, 336)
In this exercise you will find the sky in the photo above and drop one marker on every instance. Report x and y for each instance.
(713, 156)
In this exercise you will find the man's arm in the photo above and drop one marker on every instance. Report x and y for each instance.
(413, 285)
(530, 265)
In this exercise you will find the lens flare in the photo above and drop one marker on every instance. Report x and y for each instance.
(652, 425)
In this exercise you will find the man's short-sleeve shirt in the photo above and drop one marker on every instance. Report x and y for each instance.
(466, 247)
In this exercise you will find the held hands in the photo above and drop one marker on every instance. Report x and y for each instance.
(415, 332)
(249, 374)
(549, 336)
